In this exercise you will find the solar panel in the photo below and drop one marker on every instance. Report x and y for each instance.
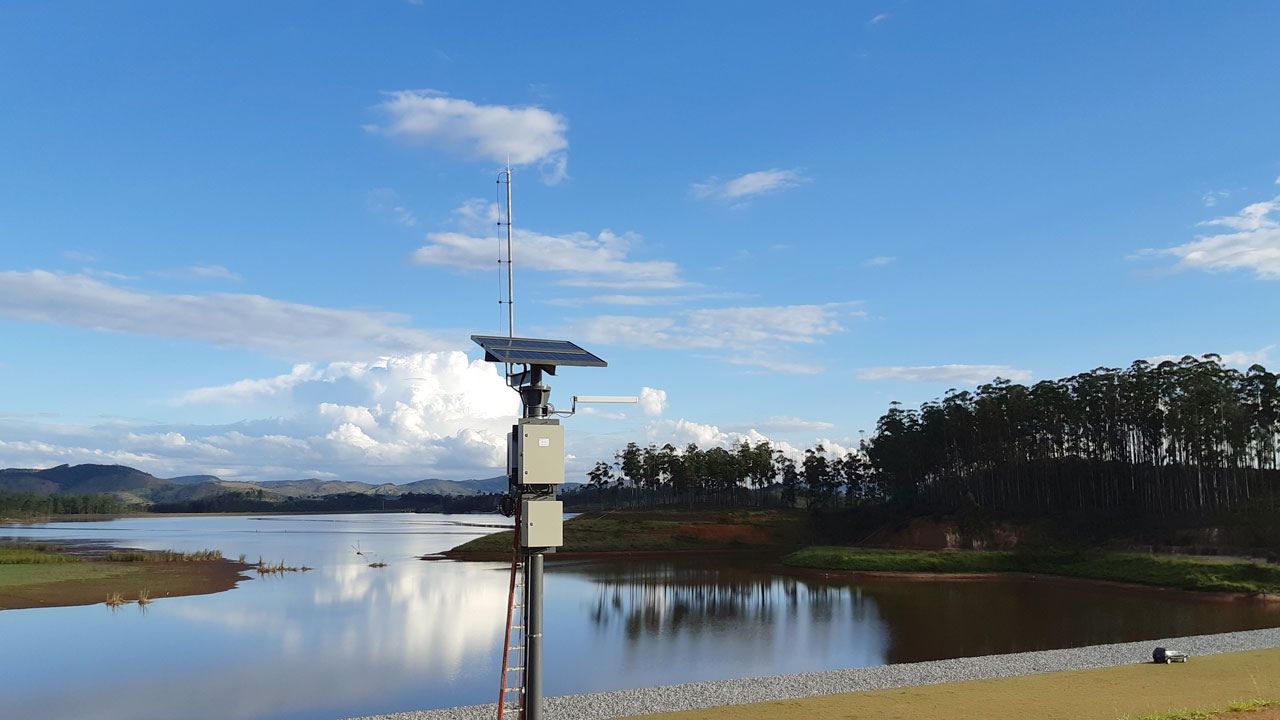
(529, 351)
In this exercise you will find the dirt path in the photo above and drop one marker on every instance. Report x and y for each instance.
(1204, 683)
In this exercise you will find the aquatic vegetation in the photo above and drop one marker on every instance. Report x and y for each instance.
(164, 556)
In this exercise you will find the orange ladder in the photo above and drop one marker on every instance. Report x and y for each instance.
(513, 645)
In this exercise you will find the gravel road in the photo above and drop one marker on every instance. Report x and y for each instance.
(692, 696)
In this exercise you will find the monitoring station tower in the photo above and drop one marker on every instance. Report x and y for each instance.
(535, 469)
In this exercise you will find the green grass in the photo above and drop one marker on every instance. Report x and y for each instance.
(164, 556)
(1121, 567)
(32, 556)
(17, 575)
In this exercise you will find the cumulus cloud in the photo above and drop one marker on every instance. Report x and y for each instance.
(653, 401)
(1251, 243)
(682, 432)
(967, 374)
(582, 258)
(749, 185)
(487, 132)
(394, 419)
(287, 329)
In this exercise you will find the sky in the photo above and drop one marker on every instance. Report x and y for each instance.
(253, 239)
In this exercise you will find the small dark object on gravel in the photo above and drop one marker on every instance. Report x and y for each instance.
(1163, 655)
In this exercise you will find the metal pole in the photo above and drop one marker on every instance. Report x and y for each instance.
(533, 642)
(511, 292)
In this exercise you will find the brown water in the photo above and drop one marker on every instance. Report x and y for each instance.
(348, 640)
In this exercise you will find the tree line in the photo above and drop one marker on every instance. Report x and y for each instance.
(30, 504)
(1173, 439)
(756, 474)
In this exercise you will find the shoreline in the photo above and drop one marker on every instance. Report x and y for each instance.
(91, 581)
(725, 698)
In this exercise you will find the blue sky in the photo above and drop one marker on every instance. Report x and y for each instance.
(252, 239)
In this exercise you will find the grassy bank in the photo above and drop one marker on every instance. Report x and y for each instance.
(1162, 571)
(615, 531)
(49, 576)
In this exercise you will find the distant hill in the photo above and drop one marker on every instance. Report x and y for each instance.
(190, 479)
(135, 486)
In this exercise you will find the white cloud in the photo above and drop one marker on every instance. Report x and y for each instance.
(488, 132)
(213, 271)
(249, 390)
(583, 258)
(741, 328)
(94, 272)
(682, 432)
(393, 419)
(783, 423)
(231, 320)
(1239, 358)
(967, 374)
(1211, 198)
(1254, 244)
(751, 184)
(756, 335)
(877, 261)
(878, 19)
(653, 401)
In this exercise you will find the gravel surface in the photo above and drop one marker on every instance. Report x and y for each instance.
(692, 696)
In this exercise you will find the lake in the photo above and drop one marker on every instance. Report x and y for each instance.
(347, 640)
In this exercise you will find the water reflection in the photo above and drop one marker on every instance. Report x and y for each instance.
(348, 640)
(342, 640)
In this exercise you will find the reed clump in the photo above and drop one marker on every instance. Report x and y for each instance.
(266, 568)
(144, 597)
(164, 556)
(115, 600)
(377, 564)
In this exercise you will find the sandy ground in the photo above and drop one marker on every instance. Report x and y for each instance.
(1204, 683)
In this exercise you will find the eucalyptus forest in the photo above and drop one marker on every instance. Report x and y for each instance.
(1185, 439)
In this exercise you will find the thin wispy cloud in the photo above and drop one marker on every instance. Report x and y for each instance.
(642, 300)
(1211, 198)
(1251, 243)
(878, 19)
(280, 328)
(531, 135)
(78, 256)
(755, 336)
(878, 261)
(967, 374)
(748, 186)
(386, 202)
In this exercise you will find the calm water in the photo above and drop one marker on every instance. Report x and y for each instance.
(347, 640)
